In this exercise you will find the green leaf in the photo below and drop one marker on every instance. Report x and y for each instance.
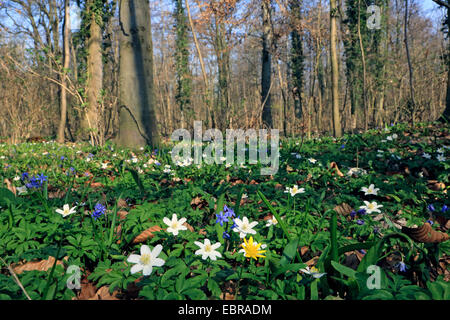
(289, 252)
(344, 270)
(195, 294)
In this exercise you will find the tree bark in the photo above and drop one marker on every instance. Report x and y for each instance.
(137, 118)
(266, 72)
(337, 129)
(63, 100)
(94, 84)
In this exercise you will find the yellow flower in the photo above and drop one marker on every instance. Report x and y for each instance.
(252, 249)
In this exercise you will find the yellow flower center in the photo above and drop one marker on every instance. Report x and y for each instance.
(208, 248)
(145, 259)
(370, 206)
(314, 269)
(174, 225)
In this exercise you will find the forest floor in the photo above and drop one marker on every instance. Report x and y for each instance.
(362, 217)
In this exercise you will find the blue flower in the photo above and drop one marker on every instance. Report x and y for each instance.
(25, 176)
(430, 222)
(360, 222)
(221, 218)
(430, 207)
(229, 213)
(401, 266)
(42, 178)
(226, 235)
(444, 208)
(343, 146)
(362, 212)
(353, 214)
(99, 210)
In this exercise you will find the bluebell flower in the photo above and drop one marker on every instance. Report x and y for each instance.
(229, 213)
(25, 176)
(234, 223)
(99, 210)
(444, 208)
(430, 207)
(42, 178)
(430, 222)
(353, 214)
(401, 266)
(360, 222)
(221, 218)
(62, 158)
(226, 235)
(362, 212)
(343, 146)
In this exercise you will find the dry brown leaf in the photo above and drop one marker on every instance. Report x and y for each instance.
(198, 203)
(343, 209)
(42, 265)
(426, 234)
(103, 294)
(436, 185)
(122, 214)
(188, 226)
(10, 186)
(227, 296)
(334, 168)
(147, 234)
(122, 203)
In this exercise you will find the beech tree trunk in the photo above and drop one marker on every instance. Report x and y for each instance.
(337, 129)
(63, 100)
(137, 119)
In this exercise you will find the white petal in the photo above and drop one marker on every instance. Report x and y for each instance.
(136, 268)
(158, 262)
(216, 245)
(167, 221)
(134, 258)
(147, 270)
(156, 251)
(145, 250)
(182, 220)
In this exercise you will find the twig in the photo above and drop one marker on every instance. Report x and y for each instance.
(16, 279)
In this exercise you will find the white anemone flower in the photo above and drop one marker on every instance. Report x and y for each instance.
(244, 227)
(313, 272)
(426, 156)
(208, 250)
(66, 210)
(294, 190)
(312, 160)
(175, 225)
(371, 190)
(440, 157)
(22, 190)
(146, 260)
(371, 207)
(271, 222)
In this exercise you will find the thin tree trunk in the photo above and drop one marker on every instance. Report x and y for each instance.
(337, 129)
(63, 100)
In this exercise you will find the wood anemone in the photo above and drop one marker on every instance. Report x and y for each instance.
(426, 234)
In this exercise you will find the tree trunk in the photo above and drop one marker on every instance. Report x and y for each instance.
(137, 119)
(94, 82)
(337, 130)
(63, 100)
(266, 71)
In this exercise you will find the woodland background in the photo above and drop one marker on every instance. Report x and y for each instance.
(231, 63)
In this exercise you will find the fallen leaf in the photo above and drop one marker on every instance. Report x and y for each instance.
(426, 234)
(147, 234)
(42, 265)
